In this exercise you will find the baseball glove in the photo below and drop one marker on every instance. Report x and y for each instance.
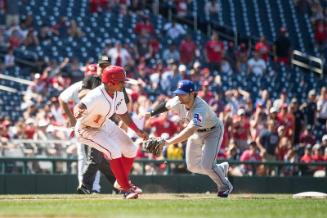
(154, 145)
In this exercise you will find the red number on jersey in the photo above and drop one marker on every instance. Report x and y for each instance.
(97, 119)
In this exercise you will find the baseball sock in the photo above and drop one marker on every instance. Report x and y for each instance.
(128, 164)
(117, 169)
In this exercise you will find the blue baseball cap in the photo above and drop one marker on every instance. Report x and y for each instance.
(184, 87)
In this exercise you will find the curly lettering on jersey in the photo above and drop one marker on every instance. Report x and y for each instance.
(119, 103)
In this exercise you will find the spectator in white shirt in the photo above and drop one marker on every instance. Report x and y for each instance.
(119, 56)
(256, 65)
(10, 59)
(174, 30)
(171, 53)
(322, 106)
(211, 9)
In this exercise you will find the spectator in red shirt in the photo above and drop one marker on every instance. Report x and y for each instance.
(98, 5)
(154, 45)
(318, 157)
(15, 39)
(242, 57)
(241, 130)
(307, 137)
(250, 154)
(214, 52)
(288, 120)
(321, 32)
(29, 129)
(262, 48)
(144, 26)
(4, 132)
(162, 125)
(187, 50)
(318, 154)
(181, 7)
(6, 122)
(273, 116)
(227, 118)
(205, 93)
(306, 158)
(140, 153)
(284, 144)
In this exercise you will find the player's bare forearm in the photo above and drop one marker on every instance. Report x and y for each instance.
(126, 118)
(182, 136)
(68, 112)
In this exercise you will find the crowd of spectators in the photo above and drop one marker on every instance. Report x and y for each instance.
(318, 15)
(259, 128)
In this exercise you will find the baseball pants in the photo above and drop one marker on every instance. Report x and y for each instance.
(111, 140)
(201, 152)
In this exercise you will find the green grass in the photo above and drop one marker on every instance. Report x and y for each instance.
(161, 205)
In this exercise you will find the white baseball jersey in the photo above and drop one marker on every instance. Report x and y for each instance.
(71, 93)
(100, 106)
(95, 129)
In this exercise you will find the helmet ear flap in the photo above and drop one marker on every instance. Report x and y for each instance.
(112, 83)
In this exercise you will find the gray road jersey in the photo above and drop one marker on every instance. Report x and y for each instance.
(200, 114)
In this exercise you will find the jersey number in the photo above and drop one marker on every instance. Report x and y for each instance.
(97, 119)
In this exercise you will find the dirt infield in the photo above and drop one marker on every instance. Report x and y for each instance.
(159, 196)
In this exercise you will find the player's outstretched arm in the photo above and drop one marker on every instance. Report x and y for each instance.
(126, 118)
(183, 135)
(65, 107)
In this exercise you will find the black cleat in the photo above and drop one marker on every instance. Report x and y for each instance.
(83, 190)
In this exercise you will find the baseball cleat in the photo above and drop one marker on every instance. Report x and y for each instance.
(137, 189)
(131, 194)
(119, 188)
(224, 194)
(83, 190)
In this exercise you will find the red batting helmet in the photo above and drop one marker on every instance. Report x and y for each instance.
(91, 70)
(113, 74)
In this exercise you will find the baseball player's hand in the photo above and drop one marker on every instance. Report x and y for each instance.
(142, 134)
(79, 110)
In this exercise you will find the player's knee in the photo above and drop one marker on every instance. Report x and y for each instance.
(206, 168)
(193, 168)
(113, 154)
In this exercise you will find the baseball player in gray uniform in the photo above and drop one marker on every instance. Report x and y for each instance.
(204, 133)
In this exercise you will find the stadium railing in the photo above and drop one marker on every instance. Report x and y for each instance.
(308, 62)
(169, 164)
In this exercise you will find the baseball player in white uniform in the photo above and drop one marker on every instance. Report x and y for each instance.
(71, 95)
(204, 133)
(95, 129)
